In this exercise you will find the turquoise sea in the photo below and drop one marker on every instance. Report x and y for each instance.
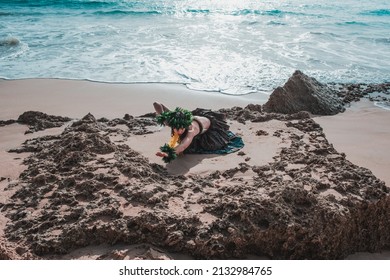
(230, 46)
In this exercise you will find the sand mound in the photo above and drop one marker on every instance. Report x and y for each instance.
(84, 188)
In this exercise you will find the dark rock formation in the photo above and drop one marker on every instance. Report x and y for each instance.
(8, 252)
(354, 92)
(253, 114)
(303, 93)
(83, 189)
(7, 122)
(5, 252)
(39, 121)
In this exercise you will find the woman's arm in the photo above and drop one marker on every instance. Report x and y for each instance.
(185, 142)
(182, 146)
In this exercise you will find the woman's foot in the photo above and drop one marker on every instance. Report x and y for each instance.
(159, 108)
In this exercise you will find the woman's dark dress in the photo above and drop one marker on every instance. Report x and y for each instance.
(216, 138)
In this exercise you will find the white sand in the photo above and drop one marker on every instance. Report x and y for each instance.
(75, 99)
(363, 134)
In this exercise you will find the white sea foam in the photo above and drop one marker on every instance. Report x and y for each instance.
(11, 48)
(383, 104)
(234, 47)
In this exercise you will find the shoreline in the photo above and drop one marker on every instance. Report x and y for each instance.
(51, 95)
(75, 99)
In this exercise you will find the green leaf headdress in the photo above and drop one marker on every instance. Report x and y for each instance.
(178, 118)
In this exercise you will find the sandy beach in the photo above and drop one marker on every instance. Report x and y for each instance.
(78, 98)
(205, 204)
(362, 135)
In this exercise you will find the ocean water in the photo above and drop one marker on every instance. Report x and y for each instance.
(229, 46)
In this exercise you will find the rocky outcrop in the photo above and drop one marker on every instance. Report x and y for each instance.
(40, 121)
(349, 92)
(82, 188)
(9, 251)
(5, 252)
(303, 93)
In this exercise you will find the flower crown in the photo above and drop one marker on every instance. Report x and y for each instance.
(178, 118)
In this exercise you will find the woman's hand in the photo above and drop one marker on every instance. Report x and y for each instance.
(161, 154)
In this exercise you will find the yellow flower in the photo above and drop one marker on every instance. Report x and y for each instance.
(174, 139)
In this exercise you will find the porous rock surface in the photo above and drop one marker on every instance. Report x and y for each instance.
(304, 93)
(37, 121)
(82, 188)
(40, 121)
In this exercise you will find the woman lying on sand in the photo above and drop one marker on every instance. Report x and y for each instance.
(199, 131)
